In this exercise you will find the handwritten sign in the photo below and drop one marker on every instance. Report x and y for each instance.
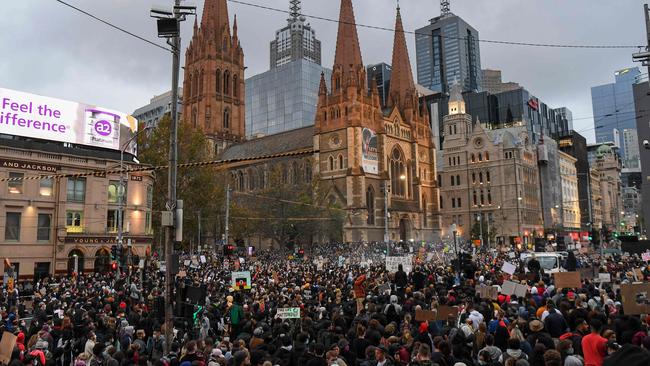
(7, 347)
(487, 292)
(567, 280)
(514, 288)
(392, 263)
(636, 298)
(604, 277)
(508, 268)
(645, 257)
(288, 313)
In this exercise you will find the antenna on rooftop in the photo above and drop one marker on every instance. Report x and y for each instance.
(445, 7)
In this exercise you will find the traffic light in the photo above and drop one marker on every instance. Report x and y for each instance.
(301, 253)
(114, 252)
(114, 266)
(228, 250)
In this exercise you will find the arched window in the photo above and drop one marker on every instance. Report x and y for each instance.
(218, 82)
(201, 82)
(480, 177)
(337, 82)
(487, 174)
(226, 118)
(331, 162)
(370, 204)
(439, 181)
(452, 181)
(398, 173)
(473, 178)
(482, 198)
(489, 197)
(487, 156)
(473, 158)
(308, 172)
(240, 181)
(340, 159)
(195, 117)
(458, 180)
(325, 115)
(480, 157)
(424, 211)
(261, 178)
(475, 200)
(295, 173)
(285, 174)
(235, 86)
(441, 202)
(226, 82)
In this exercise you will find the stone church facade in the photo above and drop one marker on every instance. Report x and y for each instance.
(366, 157)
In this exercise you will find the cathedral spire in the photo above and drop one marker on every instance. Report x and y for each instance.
(348, 52)
(401, 82)
(215, 15)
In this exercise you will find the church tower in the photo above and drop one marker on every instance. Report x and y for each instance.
(213, 87)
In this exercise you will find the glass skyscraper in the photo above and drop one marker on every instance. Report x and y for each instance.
(448, 50)
(283, 98)
(613, 109)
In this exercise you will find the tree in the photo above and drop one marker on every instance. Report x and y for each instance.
(200, 188)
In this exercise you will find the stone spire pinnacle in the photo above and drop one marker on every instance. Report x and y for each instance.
(348, 51)
(401, 82)
(215, 15)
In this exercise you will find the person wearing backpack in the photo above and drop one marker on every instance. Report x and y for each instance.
(393, 310)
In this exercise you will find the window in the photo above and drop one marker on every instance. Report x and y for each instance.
(458, 180)
(480, 177)
(487, 176)
(439, 181)
(452, 180)
(226, 118)
(226, 82)
(150, 196)
(295, 173)
(489, 197)
(308, 172)
(340, 159)
(46, 187)
(424, 211)
(73, 221)
(12, 226)
(113, 221)
(441, 202)
(113, 192)
(473, 177)
(148, 229)
(453, 203)
(398, 174)
(487, 156)
(76, 189)
(482, 198)
(480, 157)
(460, 203)
(218, 82)
(474, 198)
(195, 118)
(370, 202)
(15, 186)
(44, 227)
(235, 86)
(473, 158)
(331, 163)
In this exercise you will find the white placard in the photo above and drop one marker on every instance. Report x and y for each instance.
(203, 260)
(288, 313)
(604, 277)
(508, 268)
(513, 288)
(392, 263)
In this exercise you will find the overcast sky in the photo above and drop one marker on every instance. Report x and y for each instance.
(52, 50)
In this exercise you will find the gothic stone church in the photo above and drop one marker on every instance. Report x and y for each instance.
(361, 147)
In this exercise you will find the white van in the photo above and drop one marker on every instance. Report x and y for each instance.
(551, 262)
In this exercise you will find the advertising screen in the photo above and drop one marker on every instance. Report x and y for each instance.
(34, 116)
(369, 159)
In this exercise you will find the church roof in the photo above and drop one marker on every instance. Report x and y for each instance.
(348, 51)
(300, 139)
(401, 81)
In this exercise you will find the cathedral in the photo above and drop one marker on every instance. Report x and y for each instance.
(370, 159)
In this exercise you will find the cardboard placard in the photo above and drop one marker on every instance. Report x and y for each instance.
(182, 274)
(514, 288)
(487, 292)
(445, 312)
(636, 298)
(7, 345)
(639, 274)
(508, 268)
(567, 280)
(426, 315)
(392, 263)
(604, 277)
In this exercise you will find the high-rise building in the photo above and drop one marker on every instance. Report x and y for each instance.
(493, 84)
(575, 145)
(448, 50)
(213, 89)
(285, 97)
(296, 41)
(158, 107)
(566, 115)
(613, 108)
(571, 220)
(630, 146)
(642, 106)
(380, 73)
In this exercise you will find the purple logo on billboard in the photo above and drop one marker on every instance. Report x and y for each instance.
(103, 127)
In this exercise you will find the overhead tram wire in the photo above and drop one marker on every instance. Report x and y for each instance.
(102, 173)
(511, 43)
(114, 26)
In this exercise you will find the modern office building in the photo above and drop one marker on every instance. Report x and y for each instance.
(566, 114)
(613, 108)
(575, 145)
(630, 146)
(283, 98)
(550, 184)
(296, 41)
(158, 106)
(448, 50)
(571, 221)
(492, 82)
(380, 73)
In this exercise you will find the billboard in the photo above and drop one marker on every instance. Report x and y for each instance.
(369, 158)
(34, 116)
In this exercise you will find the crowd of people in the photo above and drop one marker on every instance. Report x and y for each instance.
(353, 311)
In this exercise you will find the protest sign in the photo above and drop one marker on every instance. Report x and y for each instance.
(645, 257)
(392, 263)
(587, 273)
(487, 292)
(202, 258)
(508, 268)
(636, 298)
(513, 288)
(241, 280)
(445, 312)
(567, 280)
(425, 315)
(7, 347)
(604, 277)
(288, 313)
